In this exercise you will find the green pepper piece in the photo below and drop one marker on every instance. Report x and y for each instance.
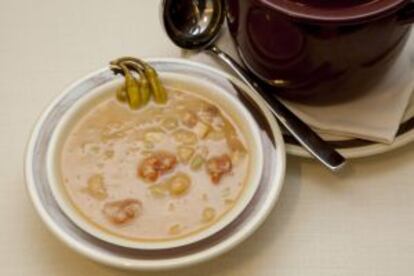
(132, 88)
(121, 94)
(133, 92)
(151, 77)
(144, 88)
(160, 95)
(197, 162)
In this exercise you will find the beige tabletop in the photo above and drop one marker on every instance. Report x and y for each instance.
(360, 222)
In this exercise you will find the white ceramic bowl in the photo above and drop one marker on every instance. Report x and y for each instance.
(229, 236)
(205, 89)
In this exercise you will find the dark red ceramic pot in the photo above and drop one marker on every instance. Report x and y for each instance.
(319, 46)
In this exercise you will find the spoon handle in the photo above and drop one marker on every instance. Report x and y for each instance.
(311, 141)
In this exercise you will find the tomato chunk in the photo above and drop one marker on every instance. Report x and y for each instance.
(122, 211)
(156, 164)
(218, 166)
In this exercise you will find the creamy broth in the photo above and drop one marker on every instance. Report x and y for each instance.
(158, 173)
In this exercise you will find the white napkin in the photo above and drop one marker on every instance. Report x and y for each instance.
(374, 115)
(409, 113)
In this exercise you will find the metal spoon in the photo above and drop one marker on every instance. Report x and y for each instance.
(195, 24)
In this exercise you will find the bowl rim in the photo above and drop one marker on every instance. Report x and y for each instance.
(221, 98)
(150, 265)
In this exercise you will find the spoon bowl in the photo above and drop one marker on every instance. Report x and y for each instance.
(193, 24)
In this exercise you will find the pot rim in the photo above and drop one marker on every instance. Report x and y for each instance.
(353, 14)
